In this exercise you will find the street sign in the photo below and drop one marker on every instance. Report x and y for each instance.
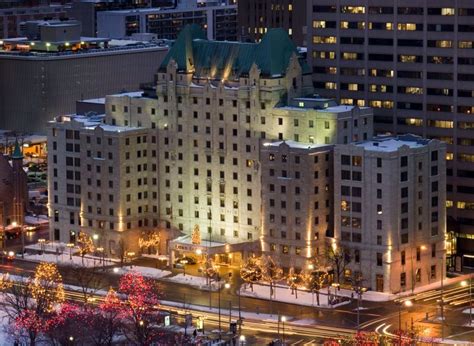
(167, 320)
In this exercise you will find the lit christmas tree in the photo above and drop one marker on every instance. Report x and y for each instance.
(47, 287)
(196, 235)
(85, 244)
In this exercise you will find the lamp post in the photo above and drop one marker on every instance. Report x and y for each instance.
(184, 262)
(100, 250)
(226, 286)
(242, 340)
(283, 320)
(406, 303)
(42, 241)
(70, 246)
(442, 295)
(464, 284)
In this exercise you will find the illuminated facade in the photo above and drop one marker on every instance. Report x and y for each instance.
(389, 210)
(101, 181)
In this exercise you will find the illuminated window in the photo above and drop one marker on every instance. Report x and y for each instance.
(449, 156)
(347, 101)
(330, 85)
(325, 39)
(406, 26)
(465, 44)
(319, 24)
(449, 204)
(448, 11)
(353, 9)
(353, 87)
(361, 103)
(349, 56)
(301, 104)
(444, 124)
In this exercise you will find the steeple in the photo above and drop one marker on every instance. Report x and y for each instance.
(17, 154)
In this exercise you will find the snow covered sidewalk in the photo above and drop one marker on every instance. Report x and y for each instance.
(195, 281)
(283, 294)
(152, 273)
(66, 260)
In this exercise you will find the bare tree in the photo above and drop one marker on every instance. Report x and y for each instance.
(251, 271)
(337, 257)
(271, 273)
(294, 281)
(90, 280)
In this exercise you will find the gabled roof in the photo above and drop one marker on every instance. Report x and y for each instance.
(221, 59)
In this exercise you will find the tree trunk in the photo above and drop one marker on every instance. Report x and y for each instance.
(317, 298)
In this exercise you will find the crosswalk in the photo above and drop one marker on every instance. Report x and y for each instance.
(454, 296)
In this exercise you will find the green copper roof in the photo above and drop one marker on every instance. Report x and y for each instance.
(221, 59)
(17, 154)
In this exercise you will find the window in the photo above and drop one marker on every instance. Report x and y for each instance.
(379, 259)
(403, 279)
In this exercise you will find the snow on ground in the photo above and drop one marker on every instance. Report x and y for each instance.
(50, 247)
(65, 260)
(283, 294)
(195, 281)
(145, 271)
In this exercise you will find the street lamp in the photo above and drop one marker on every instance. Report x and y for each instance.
(70, 246)
(242, 340)
(408, 304)
(226, 286)
(464, 284)
(42, 241)
(283, 320)
(184, 262)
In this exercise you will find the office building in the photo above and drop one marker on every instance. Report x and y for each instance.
(13, 15)
(86, 10)
(389, 210)
(217, 18)
(411, 62)
(257, 16)
(61, 67)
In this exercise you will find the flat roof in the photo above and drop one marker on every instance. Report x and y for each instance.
(296, 145)
(392, 144)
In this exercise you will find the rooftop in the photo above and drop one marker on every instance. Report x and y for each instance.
(296, 145)
(194, 53)
(391, 144)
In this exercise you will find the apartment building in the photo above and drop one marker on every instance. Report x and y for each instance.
(411, 62)
(101, 182)
(389, 210)
(217, 18)
(257, 16)
(297, 203)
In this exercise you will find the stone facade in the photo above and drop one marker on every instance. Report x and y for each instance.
(389, 210)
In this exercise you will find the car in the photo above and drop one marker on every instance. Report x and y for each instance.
(188, 259)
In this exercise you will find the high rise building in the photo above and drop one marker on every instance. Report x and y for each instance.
(256, 17)
(217, 18)
(411, 62)
(61, 67)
